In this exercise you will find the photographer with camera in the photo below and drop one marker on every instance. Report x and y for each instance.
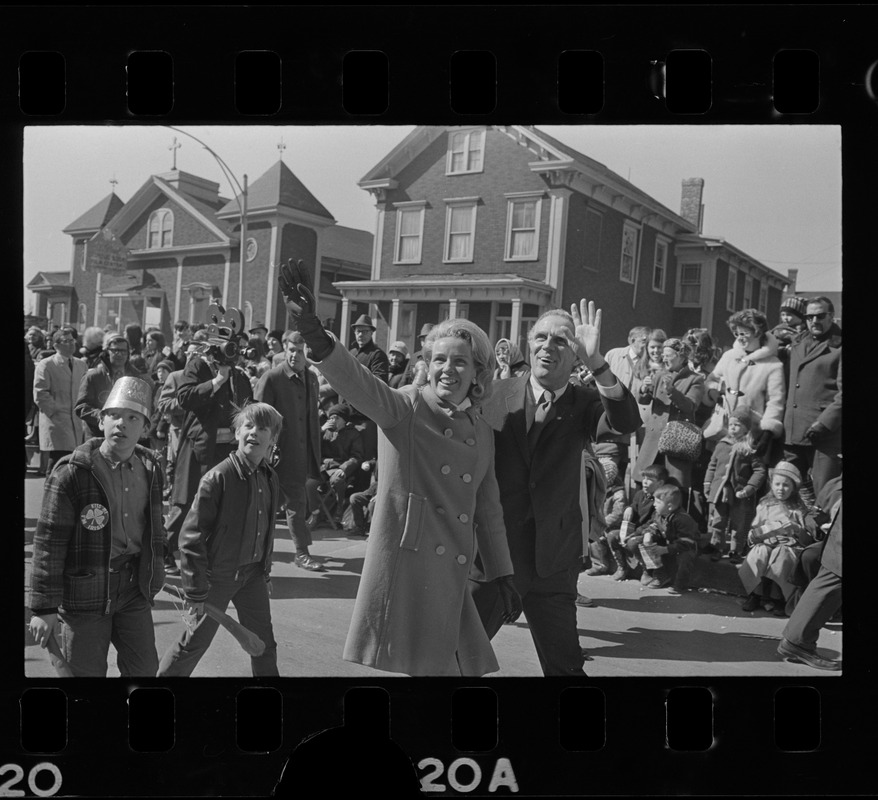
(211, 392)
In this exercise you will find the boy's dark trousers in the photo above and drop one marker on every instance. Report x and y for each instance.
(249, 593)
(678, 567)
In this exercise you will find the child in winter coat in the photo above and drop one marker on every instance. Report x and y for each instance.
(642, 513)
(679, 534)
(731, 484)
(603, 562)
(778, 535)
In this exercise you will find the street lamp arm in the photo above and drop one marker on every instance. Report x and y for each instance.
(225, 167)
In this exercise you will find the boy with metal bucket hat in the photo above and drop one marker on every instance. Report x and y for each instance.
(97, 562)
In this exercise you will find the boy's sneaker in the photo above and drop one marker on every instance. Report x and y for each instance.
(735, 558)
(646, 578)
(677, 591)
(597, 569)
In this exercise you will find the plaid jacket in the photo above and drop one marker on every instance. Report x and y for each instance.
(71, 558)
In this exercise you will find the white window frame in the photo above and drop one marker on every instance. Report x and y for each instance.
(681, 268)
(511, 200)
(732, 290)
(665, 244)
(763, 296)
(456, 203)
(748, 292)
(468, 135)
(402, 208)
(629, 226)
(161, 215)
(600, 216)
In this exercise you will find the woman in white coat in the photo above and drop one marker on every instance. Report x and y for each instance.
(437, 505)
(751, 374)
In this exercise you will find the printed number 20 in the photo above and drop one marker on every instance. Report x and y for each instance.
(503, 775)
(6, 789)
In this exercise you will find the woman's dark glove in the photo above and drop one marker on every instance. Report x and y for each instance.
(510, 598)
(295, 285)
(763, 442)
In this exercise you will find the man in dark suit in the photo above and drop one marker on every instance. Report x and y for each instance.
(292, 389)
(541, 425)
(812, 420)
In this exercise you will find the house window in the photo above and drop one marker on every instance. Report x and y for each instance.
(660, 266)
(690, 285)
(763, 297)
(732, 290)
(522, 229)
(409, 233)
(161, 228)
(445, 311)
(629, 253)
(465, 152)
(748, 292)
(594, 222)
(460, 229)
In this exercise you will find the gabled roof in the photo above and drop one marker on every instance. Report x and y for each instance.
(347, 244)
(49, 279)
(718, 241)
(197, 207)
(96, 217)
(550, 155)
(278, 187)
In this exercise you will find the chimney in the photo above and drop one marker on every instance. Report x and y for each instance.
(792, 277)
(691, 208)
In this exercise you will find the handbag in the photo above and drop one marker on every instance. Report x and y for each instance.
(717, 425)
(681, 439)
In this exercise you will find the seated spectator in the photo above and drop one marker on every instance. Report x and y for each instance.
(678, 537)
(734, 479)
(602, 559)
(510, 361)
(625, 551)
(362, 503)
(777, 537)
(342, 451)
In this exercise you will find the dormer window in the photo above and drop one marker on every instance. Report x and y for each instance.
(161, 228)
(465, 152)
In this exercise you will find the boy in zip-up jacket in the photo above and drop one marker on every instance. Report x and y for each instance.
(226, 544)
(679, 534)
(98, 546)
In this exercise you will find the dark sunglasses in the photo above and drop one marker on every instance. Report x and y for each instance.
(822, 315)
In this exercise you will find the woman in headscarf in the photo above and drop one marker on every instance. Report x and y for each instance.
(510, 361)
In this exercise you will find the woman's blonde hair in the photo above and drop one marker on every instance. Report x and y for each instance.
(483, 353)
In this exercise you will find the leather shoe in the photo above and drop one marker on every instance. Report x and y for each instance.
(306, 562)
(582, 600)
(171, 567)
(792, 652)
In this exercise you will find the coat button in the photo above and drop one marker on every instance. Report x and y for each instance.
(533, 485)
(467, 478)
(461, 559)
(470, 442)
(445, 469)
(440, 510)
(464, 518)
(440, 550)
(448, 432)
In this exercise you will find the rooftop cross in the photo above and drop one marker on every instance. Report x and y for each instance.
(174, 148)
(281, 147)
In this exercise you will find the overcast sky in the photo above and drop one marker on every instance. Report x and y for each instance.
(773, 191)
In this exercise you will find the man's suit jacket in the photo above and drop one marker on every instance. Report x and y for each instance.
(545, 484)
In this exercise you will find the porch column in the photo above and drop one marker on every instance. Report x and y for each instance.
(344, 331)
(452, 307)
(515, 323)
(396, 304)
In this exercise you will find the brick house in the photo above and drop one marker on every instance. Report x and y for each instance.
(174, 248)
(499, 223)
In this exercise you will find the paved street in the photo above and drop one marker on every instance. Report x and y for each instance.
(632, 631)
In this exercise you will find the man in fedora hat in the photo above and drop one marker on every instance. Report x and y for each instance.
(366, 351)
(97, 562)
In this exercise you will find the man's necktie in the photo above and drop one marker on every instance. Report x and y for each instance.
(541, 414)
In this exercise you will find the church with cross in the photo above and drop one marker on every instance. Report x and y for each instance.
(175, 247)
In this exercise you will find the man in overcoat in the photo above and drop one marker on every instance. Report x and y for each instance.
(812, 420)
(541, 425)
(292, 389)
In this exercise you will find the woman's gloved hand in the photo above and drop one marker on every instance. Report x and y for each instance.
(511, 600)
(295, 285)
